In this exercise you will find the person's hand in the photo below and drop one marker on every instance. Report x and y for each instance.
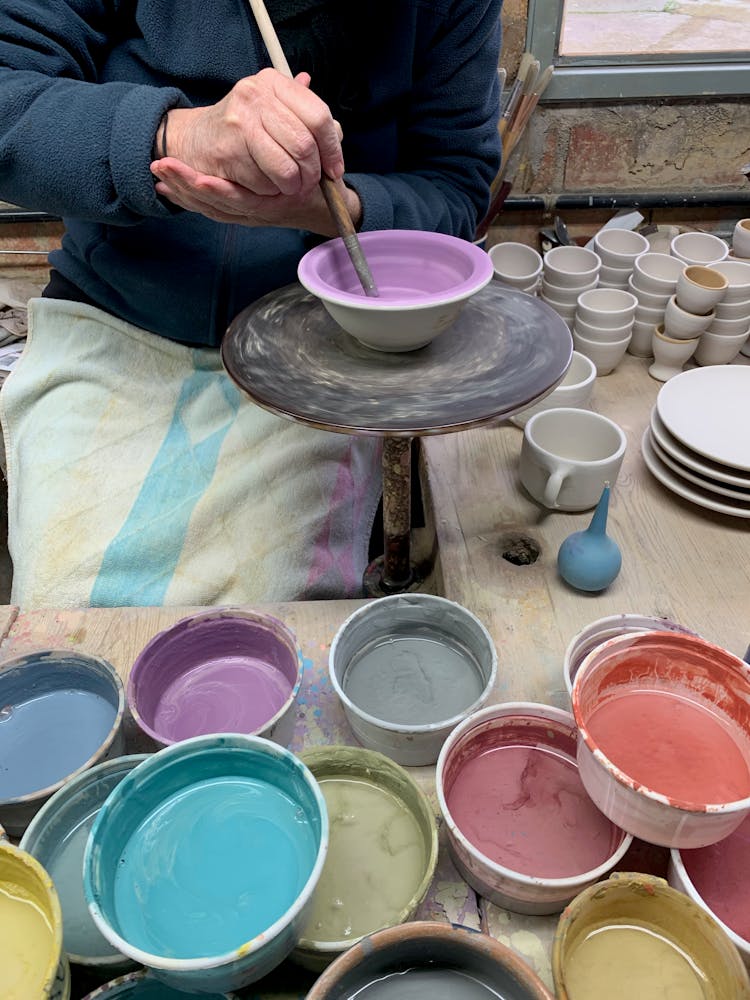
(257, 157)
(227, 201)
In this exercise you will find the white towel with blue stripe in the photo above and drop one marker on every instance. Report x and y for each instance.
(138, 474)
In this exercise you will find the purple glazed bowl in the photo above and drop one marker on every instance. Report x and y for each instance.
(424, 280)
(220, 671)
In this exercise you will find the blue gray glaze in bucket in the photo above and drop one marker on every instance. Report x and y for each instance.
(57, 838)
(407, 669)
(60, 713)
(142, 986)
(202, 862)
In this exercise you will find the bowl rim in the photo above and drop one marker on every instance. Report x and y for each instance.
(430, 930)
(189, 621)
(504, 710)
(424, 728)
(103, 991)
(614, 772)
(481, 273)
(197, 744)
(320, 948)
(27, 660)
(675, 858)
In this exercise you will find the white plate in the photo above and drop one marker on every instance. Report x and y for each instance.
(684, 489)
(708, 409)
(707, 484)
(680, 453)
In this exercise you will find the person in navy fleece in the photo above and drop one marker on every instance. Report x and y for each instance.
(186, 171)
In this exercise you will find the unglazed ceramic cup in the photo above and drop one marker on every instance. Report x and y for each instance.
(654, 665)
(691, 951)
(603, 334)
(382, 853)
(682, 325)
(606, 355)
(516, 264)
(657, 273)
(741, 238)
(719, 348)
(737, 273)
(441, 665)
(640, 341)
(619, 247)
(650, 300)
(670, 355)
(606, 307)
(524, 873)
(698, 248)
(700, 289)
(563, 294)
(571, 266)
(568, 455)
(733, 310)
(729, 327)
(432, 948)
(574, 391)
(614, 277)
(424, 280)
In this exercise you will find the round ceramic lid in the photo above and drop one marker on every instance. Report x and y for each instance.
(506, 350)
(708, 410)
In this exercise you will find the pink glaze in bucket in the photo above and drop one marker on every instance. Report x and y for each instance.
(664, 744)
(219, 671)
(521, 828)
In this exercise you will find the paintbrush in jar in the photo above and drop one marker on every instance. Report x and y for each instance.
(332, 190)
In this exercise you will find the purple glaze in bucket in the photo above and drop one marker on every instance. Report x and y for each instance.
(222, 671)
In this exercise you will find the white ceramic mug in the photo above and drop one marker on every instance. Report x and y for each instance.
(567, 455)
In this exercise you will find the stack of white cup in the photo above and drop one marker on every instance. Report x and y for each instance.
(728, 333)
(618, 249)
(517, 266)
(603, 325)
(688, 314)
(741, 240)
(567, 272)
(653, 282)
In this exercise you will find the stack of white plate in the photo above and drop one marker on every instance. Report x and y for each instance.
(697, 443)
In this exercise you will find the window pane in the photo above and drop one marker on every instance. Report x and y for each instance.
(654, 27)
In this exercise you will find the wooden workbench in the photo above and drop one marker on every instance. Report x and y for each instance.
(679, 561)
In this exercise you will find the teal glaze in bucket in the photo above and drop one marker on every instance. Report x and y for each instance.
(57, 838)
(202, 862)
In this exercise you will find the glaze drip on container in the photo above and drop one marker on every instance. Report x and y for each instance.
(376, 861)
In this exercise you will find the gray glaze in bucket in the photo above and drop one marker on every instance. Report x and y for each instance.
(407, 669)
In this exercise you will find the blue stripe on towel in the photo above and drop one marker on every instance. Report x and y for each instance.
(140, 561)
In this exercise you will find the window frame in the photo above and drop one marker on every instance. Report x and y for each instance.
(620, 78)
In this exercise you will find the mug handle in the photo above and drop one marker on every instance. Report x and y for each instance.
(554, 484)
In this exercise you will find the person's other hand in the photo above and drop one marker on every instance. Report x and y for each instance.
(270, 135)
(227, 201)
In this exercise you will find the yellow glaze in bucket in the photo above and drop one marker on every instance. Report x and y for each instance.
(30, 927)
(634, 936)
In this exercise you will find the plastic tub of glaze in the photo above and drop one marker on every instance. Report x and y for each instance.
(521, 828)
(664, 736)
(202, 862)
(599, 631)
(634, 936)
(715, 877)
(57, 838)
(221, 671)
(60, 713)
(408, 669)
(32, 962)
(143, 986)
(382, 851)
(426, 960)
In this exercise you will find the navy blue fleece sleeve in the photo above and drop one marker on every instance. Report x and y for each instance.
(450, 142)
(71, 145)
